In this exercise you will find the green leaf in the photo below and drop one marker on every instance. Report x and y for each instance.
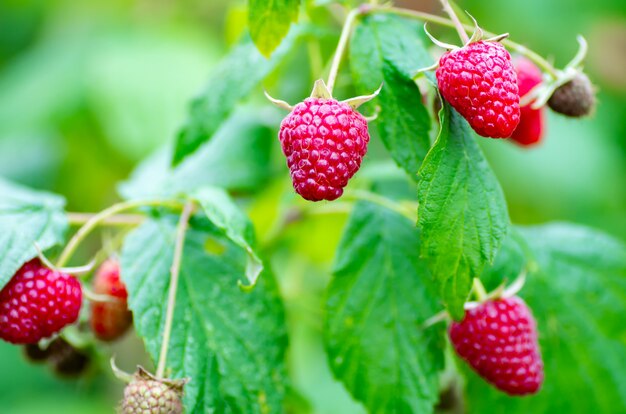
(26, 217)
(269, 22)
(462, 211)
(225, 215)
(577, 292)
(234, 78)
(387, 50)
(379, 297)
(230, 343)
(236, 158)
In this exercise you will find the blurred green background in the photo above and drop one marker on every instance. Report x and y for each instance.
(88, 89)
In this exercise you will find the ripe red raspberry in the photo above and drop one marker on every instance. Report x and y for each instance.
(110, 320)
(499, 341)
(479, 81)
(324, 141)
(532, 121)
(37, 303)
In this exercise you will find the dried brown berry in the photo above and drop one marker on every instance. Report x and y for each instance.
(576, 98)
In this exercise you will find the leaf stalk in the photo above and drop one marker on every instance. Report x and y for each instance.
(183, 224)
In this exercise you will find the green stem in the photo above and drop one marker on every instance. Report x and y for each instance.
(479, 290)
(427, 17)
(455, 20)
(175, 273)
(341, 46)
(78, 219)
(102, 216)
(343, 206)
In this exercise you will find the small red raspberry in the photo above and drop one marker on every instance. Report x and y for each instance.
(324, 141)
(37, 303)
(110, 320)
(480, 83)
(532, 121)
(148, 394)
(499, 341)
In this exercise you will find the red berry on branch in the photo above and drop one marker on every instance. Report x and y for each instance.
(479, 81)
(110, 320)
(532, 121)
(324, 141)
(37, 303)
(498, 339)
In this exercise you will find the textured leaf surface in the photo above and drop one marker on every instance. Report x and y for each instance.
(387, 50)
(578, 296)
(379, 297)
(26, 217)
(225, 215)
(462, 211)
(232, 80)
(229, 342)
(269, 22)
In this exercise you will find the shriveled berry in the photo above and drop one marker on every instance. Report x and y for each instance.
(479, 81)
(147, 394)
(37, 303)
(498, 339)
(34, 353)
(532, 121)
(576, 98)
(110, 320)
(68, 361)
(324, 141)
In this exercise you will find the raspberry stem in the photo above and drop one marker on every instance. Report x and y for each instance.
(479, 290)
(341, 46)
(427, 17)
(407, 209)
(78, 219)
(102, 216)
(175, 272)
(455, 20)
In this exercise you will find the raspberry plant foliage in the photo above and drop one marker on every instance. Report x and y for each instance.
(203, 226)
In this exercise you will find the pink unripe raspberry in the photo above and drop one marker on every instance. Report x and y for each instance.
(498, 339)
(479, 81)
(324, 141)
(37, 303)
